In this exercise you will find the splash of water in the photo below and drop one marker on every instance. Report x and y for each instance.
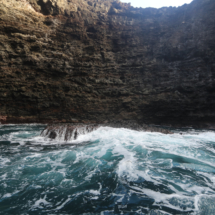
(107, 171)
(67, 132)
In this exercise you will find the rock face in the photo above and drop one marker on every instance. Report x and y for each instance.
(103, 60)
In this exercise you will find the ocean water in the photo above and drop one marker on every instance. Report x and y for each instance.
(107, 171)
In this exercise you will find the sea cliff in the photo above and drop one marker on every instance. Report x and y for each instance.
(100, 61)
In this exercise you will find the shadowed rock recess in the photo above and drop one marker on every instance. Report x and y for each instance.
(102, 60)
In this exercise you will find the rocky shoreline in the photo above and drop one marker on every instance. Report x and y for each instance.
(68, 131)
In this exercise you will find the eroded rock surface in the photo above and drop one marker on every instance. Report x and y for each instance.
(103, 60)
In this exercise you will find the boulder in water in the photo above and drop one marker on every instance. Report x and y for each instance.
(67, 132)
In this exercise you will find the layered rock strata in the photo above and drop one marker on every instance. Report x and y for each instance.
(103, 60)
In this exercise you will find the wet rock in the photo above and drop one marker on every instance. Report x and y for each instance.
(69, 132)
(52, 135)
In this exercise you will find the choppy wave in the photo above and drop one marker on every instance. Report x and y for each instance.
(107, 171)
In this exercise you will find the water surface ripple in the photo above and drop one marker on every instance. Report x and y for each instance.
(108, 171)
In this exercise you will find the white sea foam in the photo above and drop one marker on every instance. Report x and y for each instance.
(62, 204)
(183, 164)
(41, 203)
(4, 161)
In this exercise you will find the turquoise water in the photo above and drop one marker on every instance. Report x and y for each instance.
(108, 171)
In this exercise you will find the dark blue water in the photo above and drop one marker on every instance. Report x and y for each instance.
(108, 171)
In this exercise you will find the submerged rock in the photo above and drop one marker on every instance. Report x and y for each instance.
(68, 132)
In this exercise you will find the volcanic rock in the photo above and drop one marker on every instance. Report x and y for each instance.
(91, 61)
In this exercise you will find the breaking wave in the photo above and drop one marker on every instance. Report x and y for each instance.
(107, 171)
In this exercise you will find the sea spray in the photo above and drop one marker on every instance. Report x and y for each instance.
(107, 171)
